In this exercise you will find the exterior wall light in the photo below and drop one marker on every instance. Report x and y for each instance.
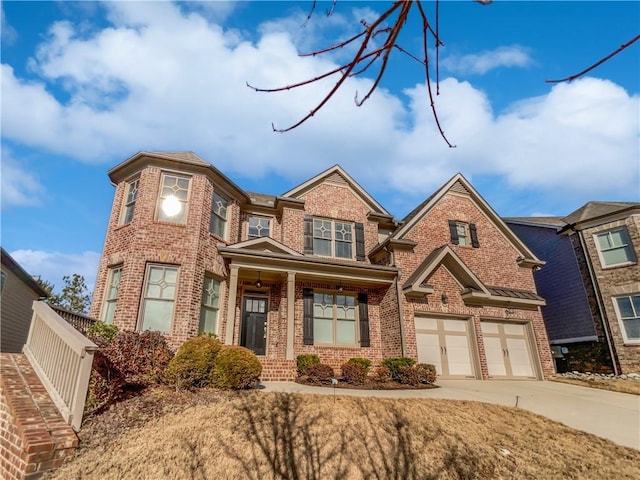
(444, 299)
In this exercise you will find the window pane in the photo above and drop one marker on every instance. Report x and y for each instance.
(636, 304)
(624, 305)
(157, 315)
(211, 292)
(169, 292)
(155, 274)
(617, 238)
(128, 214)
(170, 275)
(208, 320)
(343, 231)
(322, 247)
(615, 256)
(109, 311)
(604, 241)
(343, 250)
(154, 291)
(632, 328)
(346, 332)
(322, 331)
(322, 229)
(217, 225)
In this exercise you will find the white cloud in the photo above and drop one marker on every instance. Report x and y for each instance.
(158, 79)
(52, 266)
(18, 186)
(481, 63)
(8, 33)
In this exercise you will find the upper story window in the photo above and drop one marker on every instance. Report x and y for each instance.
(172, 201)
(614, 247)
(129, 202)
(332, 238)
(158, 298)
(258, 227)
(628, 309)
(111, 295)
(218, 215)
(462, 233)
(209, 307)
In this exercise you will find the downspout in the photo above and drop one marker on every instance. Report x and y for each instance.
(403, 349)
(594, 282)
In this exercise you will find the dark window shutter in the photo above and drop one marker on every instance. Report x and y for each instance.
(474, 235)
(360, 255)
(308, 235)
(630, 249)
(454, 232)
(363, 312)
(307, 327)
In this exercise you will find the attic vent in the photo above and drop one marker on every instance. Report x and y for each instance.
(459, 188)
(337, 178)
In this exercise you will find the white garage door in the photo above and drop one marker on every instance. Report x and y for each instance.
(507, 350)
(445, 344)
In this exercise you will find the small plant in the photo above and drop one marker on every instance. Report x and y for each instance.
(381, 374)
(365, 362)
(192, 365)
(305, 360)
(409, 376)
(235, 368)
(319, 373)
(395, 363)
(354, 373)
(427, 373)
(101, 333)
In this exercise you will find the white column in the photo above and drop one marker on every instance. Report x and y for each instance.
(231, 306)
(291, 302)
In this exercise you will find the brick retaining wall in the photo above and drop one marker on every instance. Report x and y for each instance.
(34, 437)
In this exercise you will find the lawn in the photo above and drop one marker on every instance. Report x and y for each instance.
(615, 385)
(224, 435)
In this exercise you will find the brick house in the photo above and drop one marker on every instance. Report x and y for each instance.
(591, 283)
(322, 268)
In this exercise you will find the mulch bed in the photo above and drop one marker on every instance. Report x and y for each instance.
(368, 385)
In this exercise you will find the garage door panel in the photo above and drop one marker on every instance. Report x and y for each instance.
(519, 357)
(446, 345)
(495, 357)
(458, 357)
(429, 350)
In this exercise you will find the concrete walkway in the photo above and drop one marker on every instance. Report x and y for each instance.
(611, 415)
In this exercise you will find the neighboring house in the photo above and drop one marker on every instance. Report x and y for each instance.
(18, 290)
(591, 283)
(323, 269)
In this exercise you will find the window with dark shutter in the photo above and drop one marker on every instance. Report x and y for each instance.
(360, 253)
(363, 313)
(308, 235)
(453, 229)
(474, 235)
(307, 325)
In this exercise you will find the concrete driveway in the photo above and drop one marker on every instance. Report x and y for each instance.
(611, 415)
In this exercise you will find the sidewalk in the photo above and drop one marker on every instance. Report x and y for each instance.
(611, 415)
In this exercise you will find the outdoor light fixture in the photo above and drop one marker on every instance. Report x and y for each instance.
(340, 289)
(258, 282)
(171, 206)
(509, 311)
(444, 299)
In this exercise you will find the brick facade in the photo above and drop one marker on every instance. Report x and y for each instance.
(195, 252)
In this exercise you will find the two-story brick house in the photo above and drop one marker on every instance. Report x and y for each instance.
(323, 268)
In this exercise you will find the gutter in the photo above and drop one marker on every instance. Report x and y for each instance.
(403, 347)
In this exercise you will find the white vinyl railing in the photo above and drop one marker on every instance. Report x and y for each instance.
(62, 357)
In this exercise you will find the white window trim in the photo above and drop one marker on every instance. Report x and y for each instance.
(106, 300)
(143, 297)
(225, 233)
(356, 320)
(125, 204)
(203, 306)
(627, 246)
(627, 340)
(184, 202)
(333, 237)
(466, 236)
(263, 217)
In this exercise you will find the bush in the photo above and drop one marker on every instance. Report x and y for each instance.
(427, 373)
(319, 373)
(365, 362)
(408, 375)
(235, 368)
(395, 363)
(192, 365)
(354, 373)
(101, 333)
(382, 374)
(305, 360)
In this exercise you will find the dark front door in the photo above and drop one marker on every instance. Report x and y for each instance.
(254, 324)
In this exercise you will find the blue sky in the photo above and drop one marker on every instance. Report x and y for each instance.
(85, 85)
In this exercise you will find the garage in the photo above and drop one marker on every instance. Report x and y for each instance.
(507, 350)
(444, 342)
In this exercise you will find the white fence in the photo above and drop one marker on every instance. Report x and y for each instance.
(62, 357)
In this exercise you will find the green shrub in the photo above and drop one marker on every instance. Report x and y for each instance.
(193, 362)
(408, 376)
(354, 373)
(305, 360)
(235, 368)
(102, 333)
(427, 372)
(365, 362)
(381, 374)
(319, 373)
(395, 363)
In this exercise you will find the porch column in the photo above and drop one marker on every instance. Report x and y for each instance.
(291, 303)
(231, 306)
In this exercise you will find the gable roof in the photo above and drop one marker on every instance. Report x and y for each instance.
(593, 210)
(338, 176)
(264, 244)
(546, 222)
(9, 262)
(459, 184)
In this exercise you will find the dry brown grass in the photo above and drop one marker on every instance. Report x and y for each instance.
(622, 385)
(251, 435)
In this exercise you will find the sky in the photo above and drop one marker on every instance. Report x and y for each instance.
(86, 85)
